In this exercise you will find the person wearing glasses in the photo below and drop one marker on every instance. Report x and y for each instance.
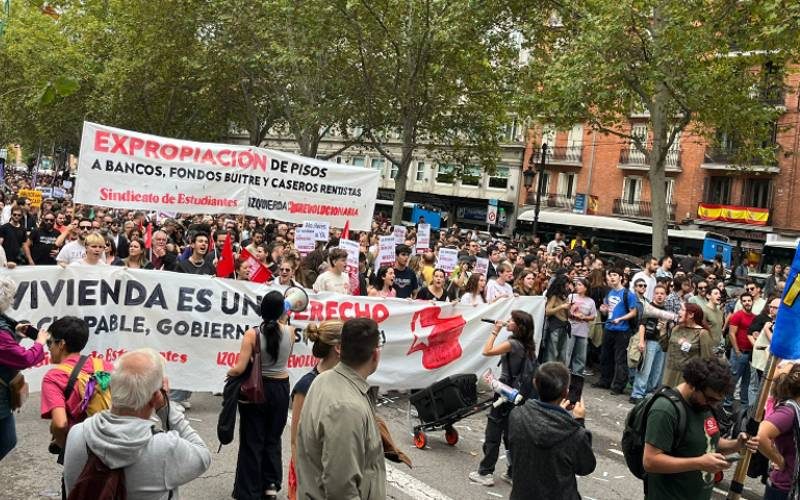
(12, 237)
(339, 404)
(114, 227)
(286, 271)
(75, 250)
(40, 248)
(754, 289)
(685, 468)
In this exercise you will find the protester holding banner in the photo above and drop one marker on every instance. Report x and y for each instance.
(95, 246)
(13, 358)
(383, 283)
(334, 279)
(475, 290)
(500, 287)
(136, 258)
(435, 291)
(197, 263)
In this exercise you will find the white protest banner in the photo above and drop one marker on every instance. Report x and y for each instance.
(423, 236)
(322, 230)
(400, 234)
(386, 247)
(352, 248)
(304, 240)
(124, 169)
(447, 259)
(196, 323)
(481, 265)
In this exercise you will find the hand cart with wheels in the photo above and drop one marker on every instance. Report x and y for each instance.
(445, 403)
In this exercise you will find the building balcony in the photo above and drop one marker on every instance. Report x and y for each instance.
(733, 214)
(560, 155)
(631, 158)
(734, 159)
(554, 202)
(639, 209)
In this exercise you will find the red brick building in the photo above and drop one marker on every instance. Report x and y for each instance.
(706, 188)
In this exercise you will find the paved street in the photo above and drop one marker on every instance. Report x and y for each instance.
(440, 471)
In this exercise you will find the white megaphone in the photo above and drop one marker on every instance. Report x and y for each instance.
(650, 311)
(295, 299)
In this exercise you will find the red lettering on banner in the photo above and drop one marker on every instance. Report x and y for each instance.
(316, 311)
(346, 306)
(151, 149)
(227, 358)
(101, 141)
(331, 310)
(119, 143)
(136, 143)
(186, 152)
(301, 361)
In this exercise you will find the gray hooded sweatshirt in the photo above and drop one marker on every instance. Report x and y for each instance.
(154, 463)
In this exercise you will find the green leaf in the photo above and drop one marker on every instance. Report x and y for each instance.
(65, 86)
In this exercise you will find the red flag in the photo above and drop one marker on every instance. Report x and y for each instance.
(346, 230)
(259, 273)
(148, 239)
(226, 263)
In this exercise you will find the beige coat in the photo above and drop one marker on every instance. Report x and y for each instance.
(339, 448)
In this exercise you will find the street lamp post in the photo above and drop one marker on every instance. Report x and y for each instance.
(539, 187)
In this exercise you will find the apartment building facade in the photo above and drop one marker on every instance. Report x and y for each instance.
(708, 185)
(460, 193)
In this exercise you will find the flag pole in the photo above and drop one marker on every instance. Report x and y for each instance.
(740, 476)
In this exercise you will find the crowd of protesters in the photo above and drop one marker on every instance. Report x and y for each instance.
(598, 316)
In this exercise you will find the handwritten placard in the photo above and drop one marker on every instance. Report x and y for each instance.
(322, 230)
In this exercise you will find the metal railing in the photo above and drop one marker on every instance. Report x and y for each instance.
(735, 156)
(639, 208)
(632, 156)
(560, 154)
(554, 201)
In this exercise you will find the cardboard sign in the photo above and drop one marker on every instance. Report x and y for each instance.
(423, 236)
(386, 247)
(447, 259)
(352, 248)
(304, 239)
(33, 195)
(481, 265)
(322, 230)
(400, 235)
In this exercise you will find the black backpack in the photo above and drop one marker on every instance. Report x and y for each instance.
(636, 428)
(636, 320)
(523, 380)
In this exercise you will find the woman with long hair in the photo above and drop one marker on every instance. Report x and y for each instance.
(435, 290)
(524, 285)
(689, 339)
(383, 283)
(258, 468)
(557, 326)
(111, 252)
(514, 351)
(326, 339)
(779, 436)
(582, 312)
(475, 290)
(136, 257)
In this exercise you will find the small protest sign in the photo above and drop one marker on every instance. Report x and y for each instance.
(447, 260)
(386, 247)
(322, 230)
(423, 236)
(400, 235)
(481, 265)
(304, 240)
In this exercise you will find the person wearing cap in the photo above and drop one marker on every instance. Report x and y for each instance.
(259, 471)
(405, 280)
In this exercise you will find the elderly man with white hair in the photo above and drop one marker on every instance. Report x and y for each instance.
(155, 463)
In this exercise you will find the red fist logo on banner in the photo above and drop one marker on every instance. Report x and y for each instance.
(440, 344)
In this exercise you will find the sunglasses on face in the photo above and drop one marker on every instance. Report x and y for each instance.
(751, 289)
(641, 285)
(85, 227)
(16, 215)
(702, 288)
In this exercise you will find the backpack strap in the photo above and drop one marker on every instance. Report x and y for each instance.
(73, 376)
(680, 406)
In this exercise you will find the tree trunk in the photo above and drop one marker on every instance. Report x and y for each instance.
(657, 176)
(409, 138)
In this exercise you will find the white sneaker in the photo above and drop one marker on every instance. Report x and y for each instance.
(505, 477)
(487, 480)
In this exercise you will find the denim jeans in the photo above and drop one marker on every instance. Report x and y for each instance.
(8, 435)
(740, 369)
(557, 346)
(576, 354)
(179, 396)
(648, 378)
